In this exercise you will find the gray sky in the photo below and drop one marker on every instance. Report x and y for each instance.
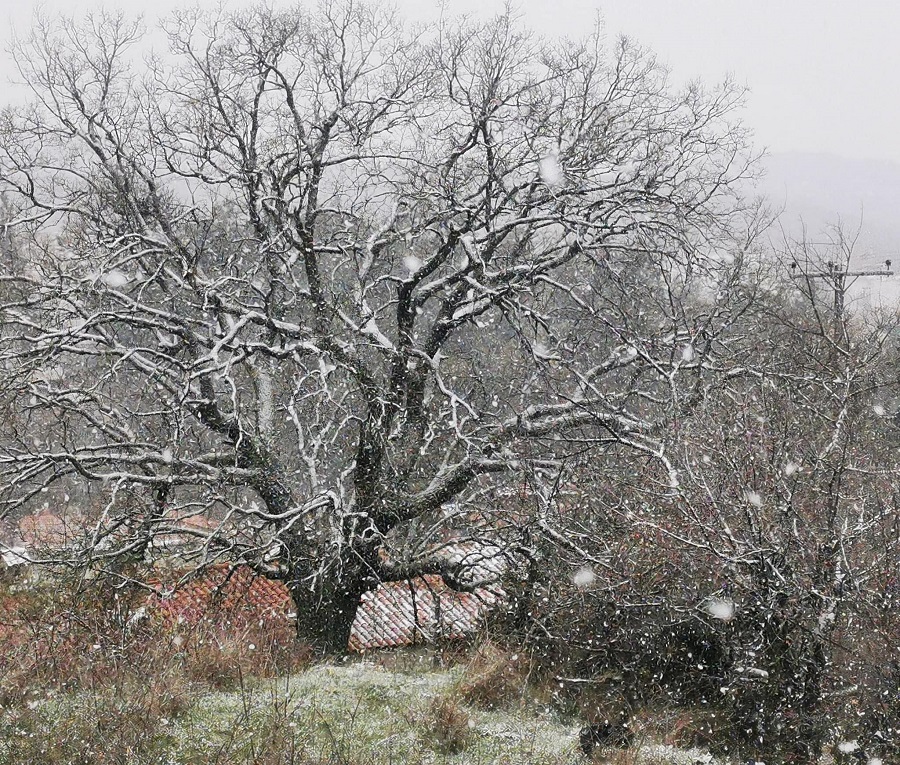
(824, 75)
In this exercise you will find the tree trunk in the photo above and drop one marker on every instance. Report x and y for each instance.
(325, 618)
(327, 583)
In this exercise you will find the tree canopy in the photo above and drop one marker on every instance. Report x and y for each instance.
(329, 282)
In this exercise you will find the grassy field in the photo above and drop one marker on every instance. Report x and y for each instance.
(81, 684)
(354, 713)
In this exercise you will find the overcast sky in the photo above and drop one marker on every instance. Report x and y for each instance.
(824, 76)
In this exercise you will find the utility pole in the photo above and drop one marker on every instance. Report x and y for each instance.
(837, 277)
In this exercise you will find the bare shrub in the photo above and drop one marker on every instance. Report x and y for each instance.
(222, 654)
(494, 677)
(702, 728)
(66, 634)
(448, 725)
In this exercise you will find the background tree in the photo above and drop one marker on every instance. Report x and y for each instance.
(759, 586)
(808, 549)
(314, 276)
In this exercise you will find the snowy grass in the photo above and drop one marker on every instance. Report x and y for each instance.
(360, 712)
(353, 713)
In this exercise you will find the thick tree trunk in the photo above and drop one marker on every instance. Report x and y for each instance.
(326, 610)
(325, 617)
(326, 625)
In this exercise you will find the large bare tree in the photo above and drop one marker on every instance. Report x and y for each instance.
(327, 281)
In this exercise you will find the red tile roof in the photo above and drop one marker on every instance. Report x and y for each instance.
(421, 610)
(45, 530)
(222, 590)
(395, 614)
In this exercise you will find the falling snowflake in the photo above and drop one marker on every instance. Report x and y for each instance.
(754, 498)
(412, 263)
(550, 171)
(791, 468)
(687, 353)
(879, 410)
(720, 608)
(584, 577)
(115, 279)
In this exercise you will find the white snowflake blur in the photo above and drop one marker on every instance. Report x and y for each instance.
(584, 577)
(720, 608)
(550, 171)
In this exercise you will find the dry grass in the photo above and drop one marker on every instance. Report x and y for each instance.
(222, 655)
(494, 678)
(82, 682)
(125, 720)
(78, 637)
(448, 724)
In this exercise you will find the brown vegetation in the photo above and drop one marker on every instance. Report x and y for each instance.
(449, 725)
(494, 677)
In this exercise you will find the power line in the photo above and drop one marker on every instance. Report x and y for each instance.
(838, 278)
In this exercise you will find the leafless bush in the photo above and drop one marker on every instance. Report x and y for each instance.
(449, 725)
(494, 677)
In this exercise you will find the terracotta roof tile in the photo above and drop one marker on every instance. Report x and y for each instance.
(395, 614)
(47, 530)
(221, 590)
(423, 610)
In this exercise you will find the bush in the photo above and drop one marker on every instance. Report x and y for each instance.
(448, 724)
(67, 635)
(701, 728)
(494, 678)
(221, 655)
